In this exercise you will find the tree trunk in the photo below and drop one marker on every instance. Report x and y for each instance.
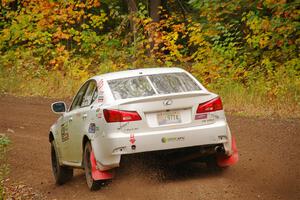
(154, 9)
(132, 9)
(154, 14)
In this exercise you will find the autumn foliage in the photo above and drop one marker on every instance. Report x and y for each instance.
(246, 50)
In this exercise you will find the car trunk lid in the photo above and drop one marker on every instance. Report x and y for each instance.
(163, 112)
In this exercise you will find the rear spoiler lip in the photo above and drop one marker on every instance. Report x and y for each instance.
(163, 97)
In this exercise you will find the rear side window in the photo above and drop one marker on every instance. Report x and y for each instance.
(78, 98)
(173, 83)
(88, 97)
(131, 87)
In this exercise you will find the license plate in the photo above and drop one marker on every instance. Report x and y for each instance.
(172, 117)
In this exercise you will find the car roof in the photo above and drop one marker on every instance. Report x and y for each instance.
(137, 72)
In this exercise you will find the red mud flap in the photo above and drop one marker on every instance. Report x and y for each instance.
(97, 174)
(225, 161)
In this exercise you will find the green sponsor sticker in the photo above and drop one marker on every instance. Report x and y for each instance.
(172, 139)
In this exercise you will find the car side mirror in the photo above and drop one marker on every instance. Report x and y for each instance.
(59, 107)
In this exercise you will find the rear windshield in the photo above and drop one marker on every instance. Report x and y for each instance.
(142, 86)
(173, 83)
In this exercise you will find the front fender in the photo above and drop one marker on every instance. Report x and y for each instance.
(53, 137)
(52, 133)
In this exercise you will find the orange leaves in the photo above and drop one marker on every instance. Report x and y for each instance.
(59, 35)
(179, 28)
(60, 48)
(44, 23)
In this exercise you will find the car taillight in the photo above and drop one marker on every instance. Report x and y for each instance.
(120, 116)
(210, 106)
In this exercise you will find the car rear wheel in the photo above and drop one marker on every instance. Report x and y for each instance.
(92, 184)
(62, 174)
(212, 163)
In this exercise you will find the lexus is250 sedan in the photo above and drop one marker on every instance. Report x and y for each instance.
(127, 112)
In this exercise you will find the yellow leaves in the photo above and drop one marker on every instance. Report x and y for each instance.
(147, 20)
(273, 2)
(197, 39)
(85, 26)
(208, 73)
(61, 55)
(263, 42)
(5, 34)
(265, 24)
(148, 46)
(97, 21)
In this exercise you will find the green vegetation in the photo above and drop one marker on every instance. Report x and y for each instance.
(4, 141)
(245, 50)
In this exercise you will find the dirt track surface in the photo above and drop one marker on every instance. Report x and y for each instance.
(268, 168)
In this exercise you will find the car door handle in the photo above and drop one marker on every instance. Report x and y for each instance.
(84, 116)
(70, 119)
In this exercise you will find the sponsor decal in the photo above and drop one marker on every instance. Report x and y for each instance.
(100, 84)
(64, 132)
(124, 125)
(100, 91)
(99, 115)
(172, 139)
(101, 96)
(131, 129)
(208, 121)
(100, 99)
(92, 128)
(132, 139)
(201, 116)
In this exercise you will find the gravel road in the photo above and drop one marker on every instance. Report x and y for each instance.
(268, 168)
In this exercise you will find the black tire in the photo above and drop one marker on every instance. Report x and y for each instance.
(62, 174)
(212, 163)
(91, 183)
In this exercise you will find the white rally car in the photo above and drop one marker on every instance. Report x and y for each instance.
(135, 111)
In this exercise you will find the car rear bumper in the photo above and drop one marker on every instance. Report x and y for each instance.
(168, 139)
(109, 149)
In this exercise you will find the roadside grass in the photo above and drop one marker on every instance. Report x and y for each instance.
(52, 84)
(4, 168)
(239, 100)
(254, 102)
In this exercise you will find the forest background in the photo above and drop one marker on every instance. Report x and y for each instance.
(245, 50)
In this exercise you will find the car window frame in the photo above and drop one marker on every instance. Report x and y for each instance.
(86, 85)
(92, 100)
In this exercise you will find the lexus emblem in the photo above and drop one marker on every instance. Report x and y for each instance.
(168, 102)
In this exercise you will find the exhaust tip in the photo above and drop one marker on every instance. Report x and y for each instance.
(219, 149)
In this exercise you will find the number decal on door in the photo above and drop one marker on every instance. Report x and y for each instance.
(64, 132)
